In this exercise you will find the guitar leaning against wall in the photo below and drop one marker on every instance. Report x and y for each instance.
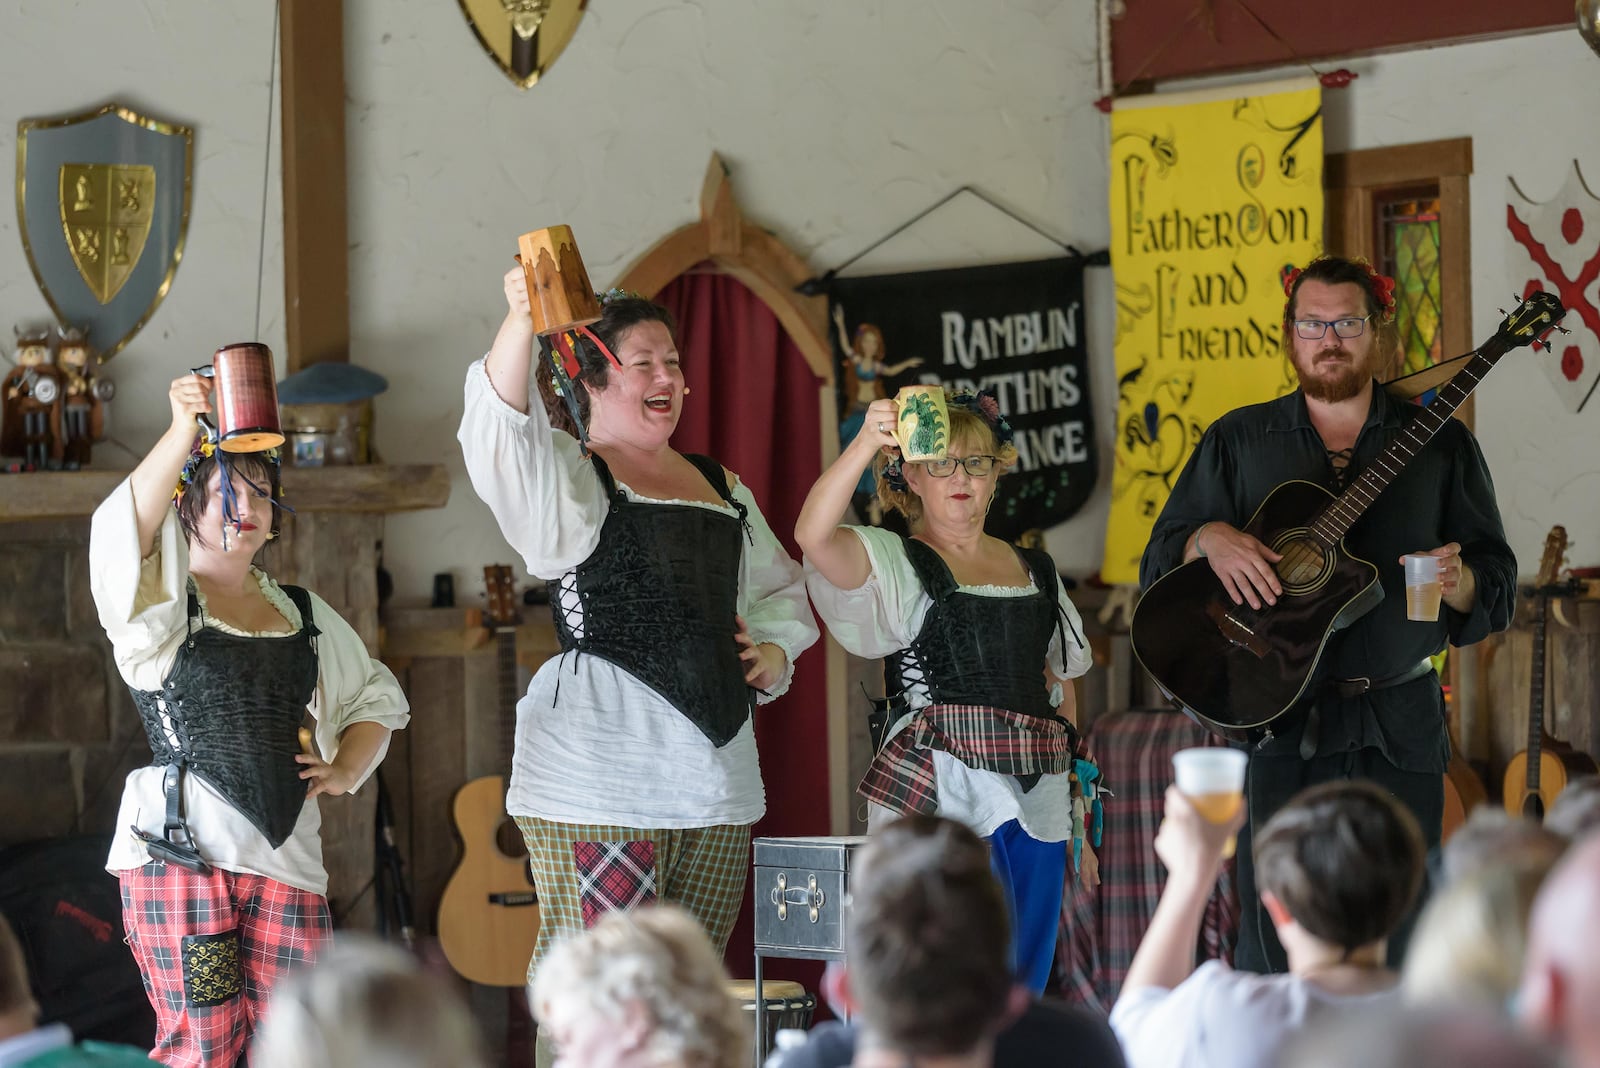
(1541, 771)
(489, 912)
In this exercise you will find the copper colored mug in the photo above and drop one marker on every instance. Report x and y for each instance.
(247, 398)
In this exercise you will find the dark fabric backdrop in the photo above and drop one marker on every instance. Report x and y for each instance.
(754, 405)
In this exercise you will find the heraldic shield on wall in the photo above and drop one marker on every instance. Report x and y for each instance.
(523, 37)
(1555, 245)
(103, 206)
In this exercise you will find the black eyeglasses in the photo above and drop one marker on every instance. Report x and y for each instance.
(977, 466)
(1316, 329)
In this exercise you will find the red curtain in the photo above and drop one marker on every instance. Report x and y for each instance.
(754, 406)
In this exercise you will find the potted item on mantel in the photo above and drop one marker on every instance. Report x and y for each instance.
(327, 414)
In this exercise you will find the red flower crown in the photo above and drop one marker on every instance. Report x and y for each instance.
(1382, 288)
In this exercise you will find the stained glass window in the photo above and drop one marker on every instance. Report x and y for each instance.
(1409, 232)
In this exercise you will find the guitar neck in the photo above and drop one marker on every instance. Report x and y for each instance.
(1536, 693)
(506, 693)
(1349, 506)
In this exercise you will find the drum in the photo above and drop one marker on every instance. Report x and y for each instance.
(786, 1006)
(247, 398)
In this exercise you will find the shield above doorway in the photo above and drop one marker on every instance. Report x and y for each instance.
(523, 37)
(103, 207)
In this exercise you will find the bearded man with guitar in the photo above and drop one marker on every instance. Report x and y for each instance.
(1371, 706)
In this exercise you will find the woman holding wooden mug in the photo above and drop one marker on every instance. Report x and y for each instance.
(635, 775)
(979, 646)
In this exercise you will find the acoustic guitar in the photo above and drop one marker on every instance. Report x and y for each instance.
(1233, 667)
(489, 912)
(1537, 774)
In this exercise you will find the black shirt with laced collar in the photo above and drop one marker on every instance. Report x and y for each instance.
(1444, 494)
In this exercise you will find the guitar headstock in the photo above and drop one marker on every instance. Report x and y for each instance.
(1529, 321)
(1555, 551)
(501, 588)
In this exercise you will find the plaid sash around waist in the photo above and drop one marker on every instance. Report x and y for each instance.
(901, 776)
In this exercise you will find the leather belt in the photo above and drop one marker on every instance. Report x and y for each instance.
(1354, 688)
(1357, 686)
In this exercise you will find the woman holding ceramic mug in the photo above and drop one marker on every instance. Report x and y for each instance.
(979, 644)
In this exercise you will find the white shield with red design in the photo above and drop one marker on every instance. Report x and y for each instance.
(1555, 245)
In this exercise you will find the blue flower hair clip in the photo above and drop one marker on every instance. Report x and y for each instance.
(894, 475)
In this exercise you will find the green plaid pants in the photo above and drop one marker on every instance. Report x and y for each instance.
(702, 869)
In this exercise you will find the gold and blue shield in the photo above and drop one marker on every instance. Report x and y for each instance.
(523, 37)
(103, 206)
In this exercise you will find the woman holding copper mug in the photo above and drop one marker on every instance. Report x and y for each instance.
(677, 609)
(217, 843)
(979, 645)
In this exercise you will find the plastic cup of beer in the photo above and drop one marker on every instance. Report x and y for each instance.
(1423, 592)
(1212, 778)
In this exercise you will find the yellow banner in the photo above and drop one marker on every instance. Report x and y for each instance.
(1213, 197)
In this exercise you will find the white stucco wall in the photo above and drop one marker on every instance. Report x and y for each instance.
(839, 121)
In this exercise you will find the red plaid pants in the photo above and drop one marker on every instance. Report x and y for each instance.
(210, 948)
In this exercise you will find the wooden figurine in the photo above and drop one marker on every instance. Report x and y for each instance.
(83, 398)
(30, 422)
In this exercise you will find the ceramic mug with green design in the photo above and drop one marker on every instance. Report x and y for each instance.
(923, 425)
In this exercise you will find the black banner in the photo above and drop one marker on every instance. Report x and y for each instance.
(1016, 328)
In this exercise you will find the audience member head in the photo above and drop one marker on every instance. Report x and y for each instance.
(1493, 837)
(926, 942)
(1560, 993)
(1412, 1037)
(19, 1012)
(640, 989)
(1342, 862)
(365, 1004)
(1470, 943)
(1576, 810)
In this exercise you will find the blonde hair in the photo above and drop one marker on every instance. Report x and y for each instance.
(365, 1004)
(658, 960)
(1472, 937)
(966, 428)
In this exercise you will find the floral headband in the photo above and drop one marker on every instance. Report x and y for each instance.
(615, 293)
(205, 445)
(985, 404)
(1382, 287)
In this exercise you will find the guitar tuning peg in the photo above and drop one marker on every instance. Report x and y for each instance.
(1502, 311)
(1563, 330)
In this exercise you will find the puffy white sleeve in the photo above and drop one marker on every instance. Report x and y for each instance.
(772, 595)
(1069, 653)
(142, 602)
(883, 614)
(545, 495)
(352, 687)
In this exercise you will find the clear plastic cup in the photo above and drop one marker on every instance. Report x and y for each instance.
(1423, 591)
(1212, 778)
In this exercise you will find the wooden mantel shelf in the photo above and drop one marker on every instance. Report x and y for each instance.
(359, 488)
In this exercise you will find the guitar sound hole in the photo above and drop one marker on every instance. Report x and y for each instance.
(509, 840)
(1304, 566)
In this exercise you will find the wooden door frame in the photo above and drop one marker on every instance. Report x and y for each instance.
(1354, 181)
(772, 271)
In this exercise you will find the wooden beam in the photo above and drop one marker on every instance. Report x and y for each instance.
(358, 489)
(1422, 161)
(316, 269)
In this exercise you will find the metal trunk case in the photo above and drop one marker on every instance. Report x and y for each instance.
(801, 888)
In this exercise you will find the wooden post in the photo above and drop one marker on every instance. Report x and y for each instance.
(316, 268)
